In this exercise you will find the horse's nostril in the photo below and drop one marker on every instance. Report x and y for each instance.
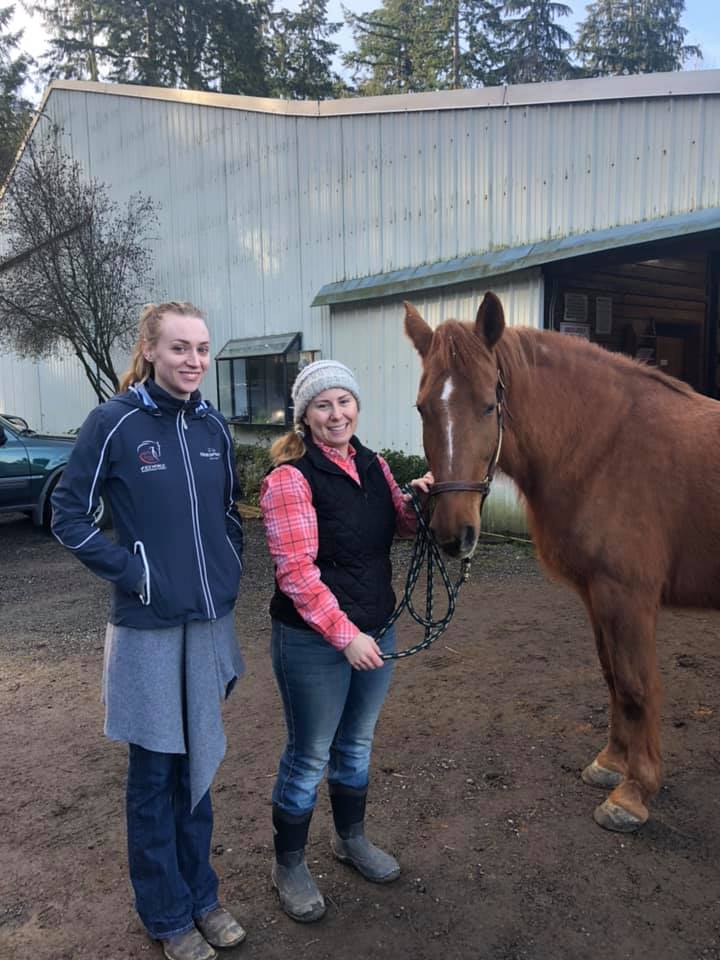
(467, 539)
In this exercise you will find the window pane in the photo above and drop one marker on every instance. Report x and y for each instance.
(240, 389)
(293, 362)
(224, 373)
(266, 384)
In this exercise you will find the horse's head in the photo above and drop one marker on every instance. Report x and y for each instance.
(457, 401)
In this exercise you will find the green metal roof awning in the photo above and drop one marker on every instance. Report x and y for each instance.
(510, 259)
(272, 345)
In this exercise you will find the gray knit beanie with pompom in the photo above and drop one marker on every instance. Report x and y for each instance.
(316, 377)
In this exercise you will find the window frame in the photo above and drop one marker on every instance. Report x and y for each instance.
(293, 348)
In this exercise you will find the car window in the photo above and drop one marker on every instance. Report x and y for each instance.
(8, 427)
(17, 425)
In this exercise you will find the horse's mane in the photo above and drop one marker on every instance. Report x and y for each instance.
(456, 345)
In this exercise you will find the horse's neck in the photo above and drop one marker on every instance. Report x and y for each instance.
(552, 400)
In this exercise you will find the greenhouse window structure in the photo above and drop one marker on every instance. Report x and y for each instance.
(254, 377)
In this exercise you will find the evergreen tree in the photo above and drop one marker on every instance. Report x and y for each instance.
(633, 36)
(14, 108)
(141, 43)
(159, 43)
(237, 50)
(449, 42)
(538, 48)
(301, 53)
(483, 60)
(196, 44)
(75, 47)
(429, 45)
(385, 60)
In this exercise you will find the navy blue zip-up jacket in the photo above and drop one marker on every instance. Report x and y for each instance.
(167, 469)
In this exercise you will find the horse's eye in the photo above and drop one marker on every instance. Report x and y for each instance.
(489, 409)
(419, 409)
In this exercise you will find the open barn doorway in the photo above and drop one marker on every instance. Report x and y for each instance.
(656, 302)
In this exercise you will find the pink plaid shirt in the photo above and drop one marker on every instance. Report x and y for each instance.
(292, 536)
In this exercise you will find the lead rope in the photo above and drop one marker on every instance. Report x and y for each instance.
(425, 550)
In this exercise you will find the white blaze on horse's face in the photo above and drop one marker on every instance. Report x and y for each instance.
(456, 400)
(447, 392)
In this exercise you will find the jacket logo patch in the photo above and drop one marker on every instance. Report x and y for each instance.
(210, 454)
(149, 456)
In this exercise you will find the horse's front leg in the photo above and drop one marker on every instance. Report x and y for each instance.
(610, 765)
(627, 624)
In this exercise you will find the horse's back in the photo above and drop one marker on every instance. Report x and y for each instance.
(649, 512)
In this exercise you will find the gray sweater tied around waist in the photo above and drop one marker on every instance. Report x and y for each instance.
(163, 690)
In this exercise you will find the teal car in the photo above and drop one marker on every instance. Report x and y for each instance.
(30, 465)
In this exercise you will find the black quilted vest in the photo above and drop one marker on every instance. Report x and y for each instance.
(356, 525)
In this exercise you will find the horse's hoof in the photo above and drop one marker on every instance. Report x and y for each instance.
(598, 776)
(610, 816)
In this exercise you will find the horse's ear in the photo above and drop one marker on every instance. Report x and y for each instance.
(490, 319)
(415, 327)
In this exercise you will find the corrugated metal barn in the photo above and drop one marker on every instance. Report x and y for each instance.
(591, 206)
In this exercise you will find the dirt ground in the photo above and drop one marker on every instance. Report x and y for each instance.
(475, 785)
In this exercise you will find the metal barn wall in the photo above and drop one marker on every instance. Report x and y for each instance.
(370, 339)
(261, 207)
(259, 210)
(53, 395)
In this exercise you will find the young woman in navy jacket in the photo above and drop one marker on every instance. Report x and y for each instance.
(164, 460)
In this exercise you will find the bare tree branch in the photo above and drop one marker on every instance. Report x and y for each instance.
(76, 263)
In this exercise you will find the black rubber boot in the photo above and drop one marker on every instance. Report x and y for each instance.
(350, 844)
(299, 896)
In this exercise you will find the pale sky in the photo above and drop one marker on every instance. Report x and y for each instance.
(700, 20)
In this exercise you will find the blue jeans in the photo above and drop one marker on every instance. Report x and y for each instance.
(330, 710)
(168, 846)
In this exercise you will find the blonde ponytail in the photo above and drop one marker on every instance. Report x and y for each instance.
(287, 448)
(148, 332)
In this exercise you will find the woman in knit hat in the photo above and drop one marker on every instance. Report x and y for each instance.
(331, 509)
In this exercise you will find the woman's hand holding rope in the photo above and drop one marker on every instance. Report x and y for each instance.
(421, 485)
(363, 653)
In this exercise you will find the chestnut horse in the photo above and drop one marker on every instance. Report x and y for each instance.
(619, 466)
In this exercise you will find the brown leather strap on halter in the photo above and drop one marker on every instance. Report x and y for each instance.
(450, 486)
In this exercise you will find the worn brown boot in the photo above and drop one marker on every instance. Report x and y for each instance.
(220, 928)
(188, 946)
